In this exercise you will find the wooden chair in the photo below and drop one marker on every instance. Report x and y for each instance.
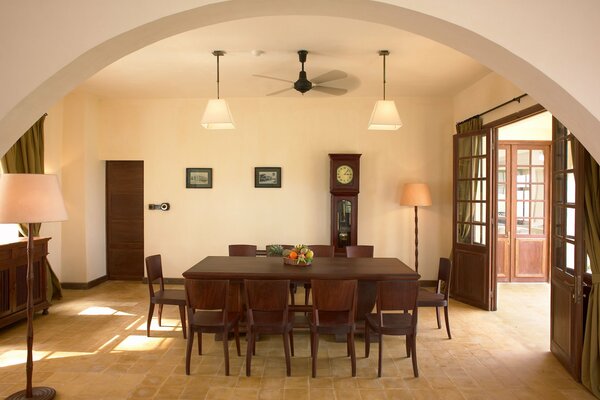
(268, 313)
(242, 250)
(208, 312)
(333, 309)
(359, 251)
(162, 296)
(395, 296)
(441, 295)
(320, 250)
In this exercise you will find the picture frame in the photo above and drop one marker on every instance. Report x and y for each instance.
(198, 178)
(267, 177)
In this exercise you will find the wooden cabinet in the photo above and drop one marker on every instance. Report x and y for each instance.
(13, 283)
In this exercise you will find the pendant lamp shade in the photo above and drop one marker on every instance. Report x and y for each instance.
(217, 115)
(385, 116)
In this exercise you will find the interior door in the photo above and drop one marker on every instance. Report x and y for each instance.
(473, 275)
(504, 199)
(125, 219)
(567, 250)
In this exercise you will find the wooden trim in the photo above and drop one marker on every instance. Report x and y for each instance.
(84, 285)
(168, 281)
(427, 283)
(514, 117)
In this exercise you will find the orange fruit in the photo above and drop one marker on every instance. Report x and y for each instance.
(293, 255)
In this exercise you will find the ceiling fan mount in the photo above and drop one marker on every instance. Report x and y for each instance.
(303, 85)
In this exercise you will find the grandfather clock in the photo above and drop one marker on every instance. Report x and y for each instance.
(344, 187)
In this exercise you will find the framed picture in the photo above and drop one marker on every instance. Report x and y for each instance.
(267, 177)
(198, 178)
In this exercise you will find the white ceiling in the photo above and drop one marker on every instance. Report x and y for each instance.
(182, 66)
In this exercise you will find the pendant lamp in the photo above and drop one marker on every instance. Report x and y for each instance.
(217, 114)
(385, 115)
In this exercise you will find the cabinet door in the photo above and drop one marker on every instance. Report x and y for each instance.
(5, 291)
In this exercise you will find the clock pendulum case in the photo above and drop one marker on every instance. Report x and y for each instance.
(344, 174)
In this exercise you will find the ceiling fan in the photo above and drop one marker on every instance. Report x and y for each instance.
(303, 85)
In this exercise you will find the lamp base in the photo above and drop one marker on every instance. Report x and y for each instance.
(39, 393)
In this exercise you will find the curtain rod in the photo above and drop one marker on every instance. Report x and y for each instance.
(517, 99)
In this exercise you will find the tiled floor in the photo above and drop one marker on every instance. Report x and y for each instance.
(93, 346)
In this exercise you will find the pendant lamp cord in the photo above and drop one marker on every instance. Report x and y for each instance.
(217, 75)
(383, 76)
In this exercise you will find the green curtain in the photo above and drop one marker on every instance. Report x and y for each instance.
(26, 156)
(466, 148)
(590, 369)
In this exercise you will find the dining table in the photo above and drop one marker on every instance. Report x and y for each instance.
(367, 271)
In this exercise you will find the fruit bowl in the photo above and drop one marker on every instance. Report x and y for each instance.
(300, 255)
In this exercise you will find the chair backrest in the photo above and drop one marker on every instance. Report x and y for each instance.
(154, 272)
(267, 296)
(444, 273)
(397, 295)
(202, 294)
(323, 250)
(359, 251)
(242, 250)
(334, 296)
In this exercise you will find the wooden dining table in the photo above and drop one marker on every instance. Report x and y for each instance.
(367, 271)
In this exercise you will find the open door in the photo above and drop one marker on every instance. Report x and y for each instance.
(568, 252)
(473, 273)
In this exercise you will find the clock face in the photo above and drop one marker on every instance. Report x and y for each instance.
(344, 174)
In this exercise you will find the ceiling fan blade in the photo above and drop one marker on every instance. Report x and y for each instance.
(330, 90)
(271, 77)
(279, 91)
(332, 75)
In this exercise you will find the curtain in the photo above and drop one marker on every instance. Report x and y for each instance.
(26, 156)
(469, 168)
(590, 369)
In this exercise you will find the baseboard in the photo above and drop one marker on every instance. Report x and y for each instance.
(168, 281)
(424, 283)
(83, 285)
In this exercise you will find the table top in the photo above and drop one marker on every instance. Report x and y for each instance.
(238, 268)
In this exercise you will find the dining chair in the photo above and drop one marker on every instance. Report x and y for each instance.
(242, 250)
(333, 309)
(394, 296)
(440, 297)
(268, 313)
(208, 312)
(162, 296)
(319, 250)
(359, 251)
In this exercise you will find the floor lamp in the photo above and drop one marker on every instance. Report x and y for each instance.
(30, 199)
(416, 194)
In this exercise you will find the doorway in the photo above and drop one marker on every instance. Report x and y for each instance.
(523, 193)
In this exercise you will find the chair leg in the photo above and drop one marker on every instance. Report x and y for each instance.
(160, 309)
(437, 315)
(348, 344)
(286, 351)
(236, 334)
(182, 317)
(293, 295)
(315, 350)
(226, 350)
(352, 353)
(407, 346)
(367, 341)
(413, 339)
(150, 313)
(291, 335)
(249, 347)
(306, 293)
(380, 360)
(199, 343)
(447, 322)
(188, 351)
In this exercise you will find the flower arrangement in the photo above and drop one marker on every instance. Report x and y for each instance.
(299, 255)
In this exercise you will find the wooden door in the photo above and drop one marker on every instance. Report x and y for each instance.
(567, 250)
(473, 275)
(125, 219)
(523, 211)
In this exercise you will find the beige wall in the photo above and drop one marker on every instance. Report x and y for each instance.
(296, 134)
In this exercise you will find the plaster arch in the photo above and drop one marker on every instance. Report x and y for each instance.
(77, 39)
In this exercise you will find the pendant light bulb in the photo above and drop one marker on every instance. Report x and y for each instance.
(385, 115)
(217, 114)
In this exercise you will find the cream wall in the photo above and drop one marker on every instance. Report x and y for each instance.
(296, 134)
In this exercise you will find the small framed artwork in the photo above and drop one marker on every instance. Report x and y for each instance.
(267, 177)
(198, 178)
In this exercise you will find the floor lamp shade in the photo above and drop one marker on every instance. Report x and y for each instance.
(415, 194)
(217, 115)
(30, 198)
(385, 116)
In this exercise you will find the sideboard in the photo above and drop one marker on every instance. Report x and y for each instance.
(13, 283)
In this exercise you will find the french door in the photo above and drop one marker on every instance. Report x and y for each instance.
(523, 184)
(473, 275)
